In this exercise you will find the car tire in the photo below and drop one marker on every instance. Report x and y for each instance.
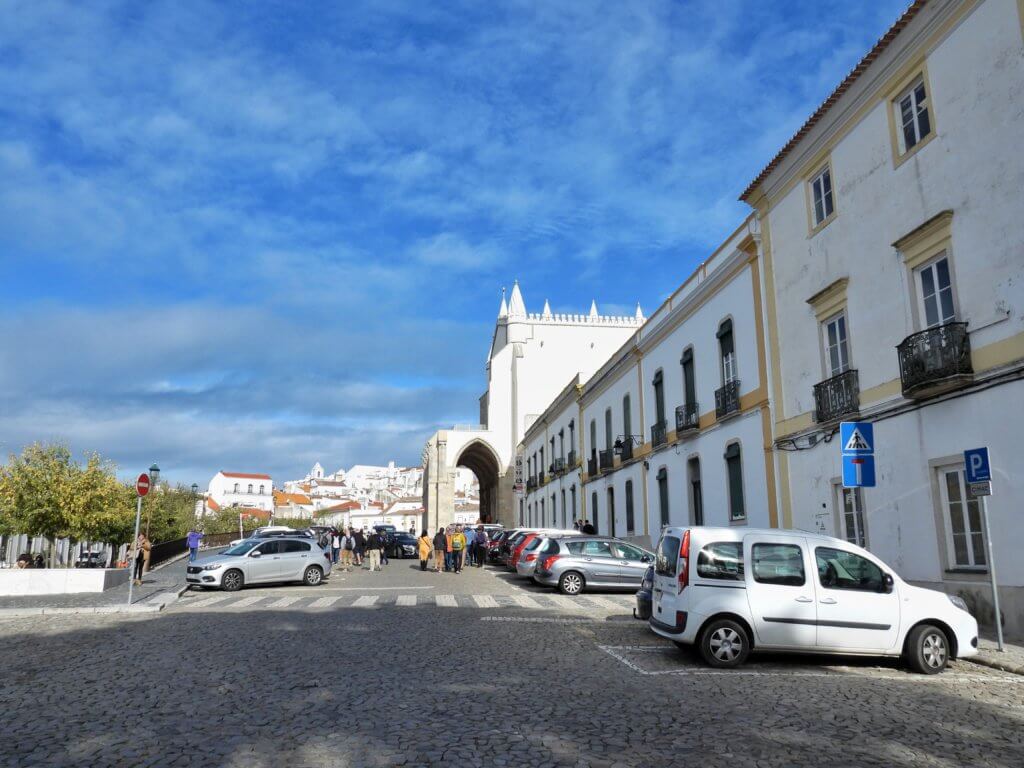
(724, 644)
(571, 583)
(232, 581)
(927, 649)
(313, 576)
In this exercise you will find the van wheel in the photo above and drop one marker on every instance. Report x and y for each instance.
(571, 583)
(312, 576)
(232, 581)
(927, 649)
(724, 644)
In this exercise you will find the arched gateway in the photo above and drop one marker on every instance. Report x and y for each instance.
(532, 358)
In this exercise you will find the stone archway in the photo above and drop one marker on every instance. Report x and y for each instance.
(480, 459)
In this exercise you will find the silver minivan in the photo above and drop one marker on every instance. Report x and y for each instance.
(262, 561)
(728, 591)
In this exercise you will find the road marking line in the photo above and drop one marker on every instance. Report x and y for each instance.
(209, 601)
(604, 602)
(485, 601)
(525, 601)
(284, 602)
(536, 620)
(406, 600)
(566, 602)
(245, 602)
(325, 602)
(366, 601)
(445, 601)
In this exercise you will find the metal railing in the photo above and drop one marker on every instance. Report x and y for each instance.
(606, 459)
(837, 396)
(540, 478)
(592, 465)
(570, 461)
(559, 466)
(687, 417)
(933, 359)
(659, 433)
(626, 450)
(727, 399)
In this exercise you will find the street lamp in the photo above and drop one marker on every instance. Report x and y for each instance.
(621, 440)
(195, 497)
(154, 475)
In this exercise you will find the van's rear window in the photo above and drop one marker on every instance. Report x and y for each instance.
(668, 552)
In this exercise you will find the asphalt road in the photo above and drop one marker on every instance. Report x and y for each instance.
(405, 668)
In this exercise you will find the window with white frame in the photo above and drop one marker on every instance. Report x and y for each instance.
(965, 539)
(851, 515)
(837, 352)
(912, 118)
(935, 293)
(734, 477)
(727, 351)
(821, 195)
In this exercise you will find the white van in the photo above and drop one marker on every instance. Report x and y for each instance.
(732, 590)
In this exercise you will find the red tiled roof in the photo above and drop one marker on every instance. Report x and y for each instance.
(245, 475)
(883, 42)
(213, 505)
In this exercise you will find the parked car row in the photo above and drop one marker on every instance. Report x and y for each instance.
(730, 591)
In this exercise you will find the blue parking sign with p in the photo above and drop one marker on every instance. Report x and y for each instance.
(977, 465)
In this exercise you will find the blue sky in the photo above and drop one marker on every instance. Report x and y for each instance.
(252, 235)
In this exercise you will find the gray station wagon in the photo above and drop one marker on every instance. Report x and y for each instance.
(575, 563)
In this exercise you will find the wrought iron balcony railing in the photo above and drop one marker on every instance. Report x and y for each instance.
(592, 464)
(540, 478)
(727, 399)
(531, 483)
(570, 461)
(659, 433)
(687, 417)
(935, 360)
(558, 467)
(626, 450)
(606, 459)
(836, 397)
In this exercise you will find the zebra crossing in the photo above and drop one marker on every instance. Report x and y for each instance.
(588, 604)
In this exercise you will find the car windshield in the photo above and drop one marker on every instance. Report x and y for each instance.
(241, 548)
(534, 544)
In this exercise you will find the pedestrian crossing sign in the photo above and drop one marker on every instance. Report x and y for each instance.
(857, 438)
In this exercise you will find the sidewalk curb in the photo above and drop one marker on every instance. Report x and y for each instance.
(1013, 669)
(8, 613)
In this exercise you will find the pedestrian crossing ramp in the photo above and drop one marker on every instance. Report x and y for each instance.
(602, 605)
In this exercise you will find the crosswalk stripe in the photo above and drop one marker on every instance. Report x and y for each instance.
(566, 602)
(245, 602)
(210, 601)
(525, 601)
(485, 601)
(446, 601)
(406, 600)
(366, 601)
(324, 602)
(604, 602)
(284, 602)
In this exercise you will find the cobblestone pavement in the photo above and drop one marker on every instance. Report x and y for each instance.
(388, 683)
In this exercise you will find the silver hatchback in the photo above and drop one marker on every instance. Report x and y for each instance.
(575, 563)
(261, 561)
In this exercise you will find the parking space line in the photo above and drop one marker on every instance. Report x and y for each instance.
(325, 602)
(366, 601)
(406, 600)
(485, 601)
(445, 601)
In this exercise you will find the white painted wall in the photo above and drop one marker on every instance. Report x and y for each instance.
(229, 491)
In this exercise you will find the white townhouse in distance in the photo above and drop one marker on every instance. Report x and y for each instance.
(242, 489)
(894, 269)
(674, 427)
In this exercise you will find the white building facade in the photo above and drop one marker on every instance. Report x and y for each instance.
(242, 489)
(895, 288)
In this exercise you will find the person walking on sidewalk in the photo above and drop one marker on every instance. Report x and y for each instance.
(424, 548)
(195, 538)
(335, 546)
(348, 544)
(481, 547)
(458, 549)
(440, 549)
(373, 546)
(360, 540)
(142, 548)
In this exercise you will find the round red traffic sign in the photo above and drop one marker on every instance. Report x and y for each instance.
(142, 484)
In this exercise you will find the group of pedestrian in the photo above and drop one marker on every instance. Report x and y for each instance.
(454, 547)
(585, 527)
(353, 548)
(25, 560)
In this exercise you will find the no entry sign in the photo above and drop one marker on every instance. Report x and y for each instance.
(142, 484)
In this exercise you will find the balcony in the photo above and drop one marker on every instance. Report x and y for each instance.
(531, 483)
(626, 449)
(606, 459)
(592, 465)
(687, 418)
(837, 397)
(540, 478)
(935, 360)
(558, 467)
(727, 399)
(570, 462)
(659, 434)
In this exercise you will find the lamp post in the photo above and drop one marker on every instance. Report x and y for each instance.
(154, 475)
(195, 498)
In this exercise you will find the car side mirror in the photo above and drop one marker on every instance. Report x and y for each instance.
(887, 584)
(645, 559)
(255, 553)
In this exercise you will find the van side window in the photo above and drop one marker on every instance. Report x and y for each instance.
(721, 560)
(844, 570)
(778, 564)
(668, 552)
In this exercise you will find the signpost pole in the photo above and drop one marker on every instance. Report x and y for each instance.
(992, 574)
(132, 550)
